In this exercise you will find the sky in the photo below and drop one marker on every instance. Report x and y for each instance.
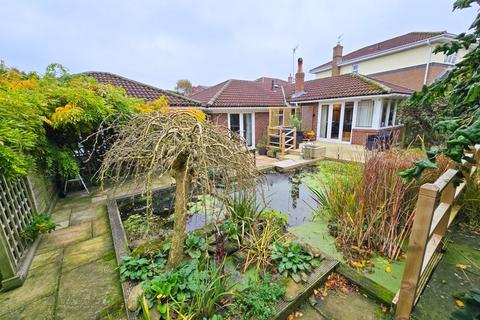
(205, 41)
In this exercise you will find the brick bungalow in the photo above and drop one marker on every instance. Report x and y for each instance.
(344, 109)
(243, 106)
(347, 108)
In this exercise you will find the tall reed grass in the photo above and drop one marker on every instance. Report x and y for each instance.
(374, 209)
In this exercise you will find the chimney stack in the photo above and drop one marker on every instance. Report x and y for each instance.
(337, 58)
(290, 78)
(299, 77)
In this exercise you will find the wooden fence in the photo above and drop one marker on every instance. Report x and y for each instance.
(435, 211)
(16, 212)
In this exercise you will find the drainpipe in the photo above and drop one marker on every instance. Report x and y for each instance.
(428, 62)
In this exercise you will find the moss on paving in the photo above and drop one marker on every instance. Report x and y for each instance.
(463, 248)
(380, 283)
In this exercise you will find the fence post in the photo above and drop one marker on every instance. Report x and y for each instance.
(426, 202)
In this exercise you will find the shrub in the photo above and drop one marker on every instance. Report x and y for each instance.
(139, 268)
(258, 301)
(41, 224)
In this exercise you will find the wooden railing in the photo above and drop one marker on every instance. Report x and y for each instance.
(435, 211)
(284, 138)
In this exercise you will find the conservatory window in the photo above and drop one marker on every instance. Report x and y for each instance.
(365, 114)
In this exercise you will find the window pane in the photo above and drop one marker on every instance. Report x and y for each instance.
(324, 121)
(365, 114)
(392, 112)
(337, 108)
(384, 114)
(247, 128)
(235, 122)
(347, 121)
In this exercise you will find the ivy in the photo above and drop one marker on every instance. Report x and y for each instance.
(457, 124)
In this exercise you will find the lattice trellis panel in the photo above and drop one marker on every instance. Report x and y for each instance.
(16, 212)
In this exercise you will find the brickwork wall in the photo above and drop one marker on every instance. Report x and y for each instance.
(261, 125)
(411, 78)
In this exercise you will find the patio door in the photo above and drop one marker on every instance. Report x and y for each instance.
(243, 124)
(335, 122)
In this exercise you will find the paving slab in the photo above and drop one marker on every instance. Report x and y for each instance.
(66, 236)
(52, 256)
(89, 292)
(42, 309)
(85, 252)
(100, 226)
(40, 283)
(89, 214)
(351, 305)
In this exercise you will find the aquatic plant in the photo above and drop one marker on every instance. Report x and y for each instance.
(374, 209)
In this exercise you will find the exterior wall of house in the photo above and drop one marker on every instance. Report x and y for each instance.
(261, 125)
(220, 119)
(403, 59)
(309, 117)
(359, 136)
(412, 77)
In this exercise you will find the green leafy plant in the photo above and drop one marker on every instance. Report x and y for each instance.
(471, 308)
(135, 268)
(232, 230)
(292, 260)
(61, 161)
(139, 268)
(41, 224)
(194, 288)
(195, 245)
(296, 122)
(135, 226)
(258, 301)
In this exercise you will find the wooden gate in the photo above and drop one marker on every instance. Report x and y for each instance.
(16, 212)
(435, 211)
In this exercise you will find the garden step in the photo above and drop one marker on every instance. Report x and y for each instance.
(298, 293)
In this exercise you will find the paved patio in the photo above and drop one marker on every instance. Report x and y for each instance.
(74, 273)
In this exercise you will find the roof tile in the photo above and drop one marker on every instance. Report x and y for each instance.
(144, 91)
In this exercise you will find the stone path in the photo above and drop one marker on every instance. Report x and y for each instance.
(74, 273)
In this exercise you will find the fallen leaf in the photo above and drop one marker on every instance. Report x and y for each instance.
(461, 266)
(459, 303)
(388, 269)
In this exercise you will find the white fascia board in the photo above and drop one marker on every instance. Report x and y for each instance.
(356, 98)
(243, 109)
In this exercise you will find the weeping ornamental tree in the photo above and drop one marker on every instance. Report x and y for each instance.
(459, 126)
(196, 153)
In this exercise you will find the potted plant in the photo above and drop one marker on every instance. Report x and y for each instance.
(297, 123)
(272, 152)
(262, 145)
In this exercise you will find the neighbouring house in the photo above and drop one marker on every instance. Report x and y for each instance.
(143, 91)
(407, 60)
(347, 108)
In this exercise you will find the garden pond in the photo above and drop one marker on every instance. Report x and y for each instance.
(287, 193)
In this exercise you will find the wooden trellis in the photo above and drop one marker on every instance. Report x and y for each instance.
(16, 212)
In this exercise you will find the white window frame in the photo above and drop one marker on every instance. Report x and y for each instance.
(355, 68)
(254, 140)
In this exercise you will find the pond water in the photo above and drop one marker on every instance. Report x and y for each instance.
(286, 193)
(283, 192)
